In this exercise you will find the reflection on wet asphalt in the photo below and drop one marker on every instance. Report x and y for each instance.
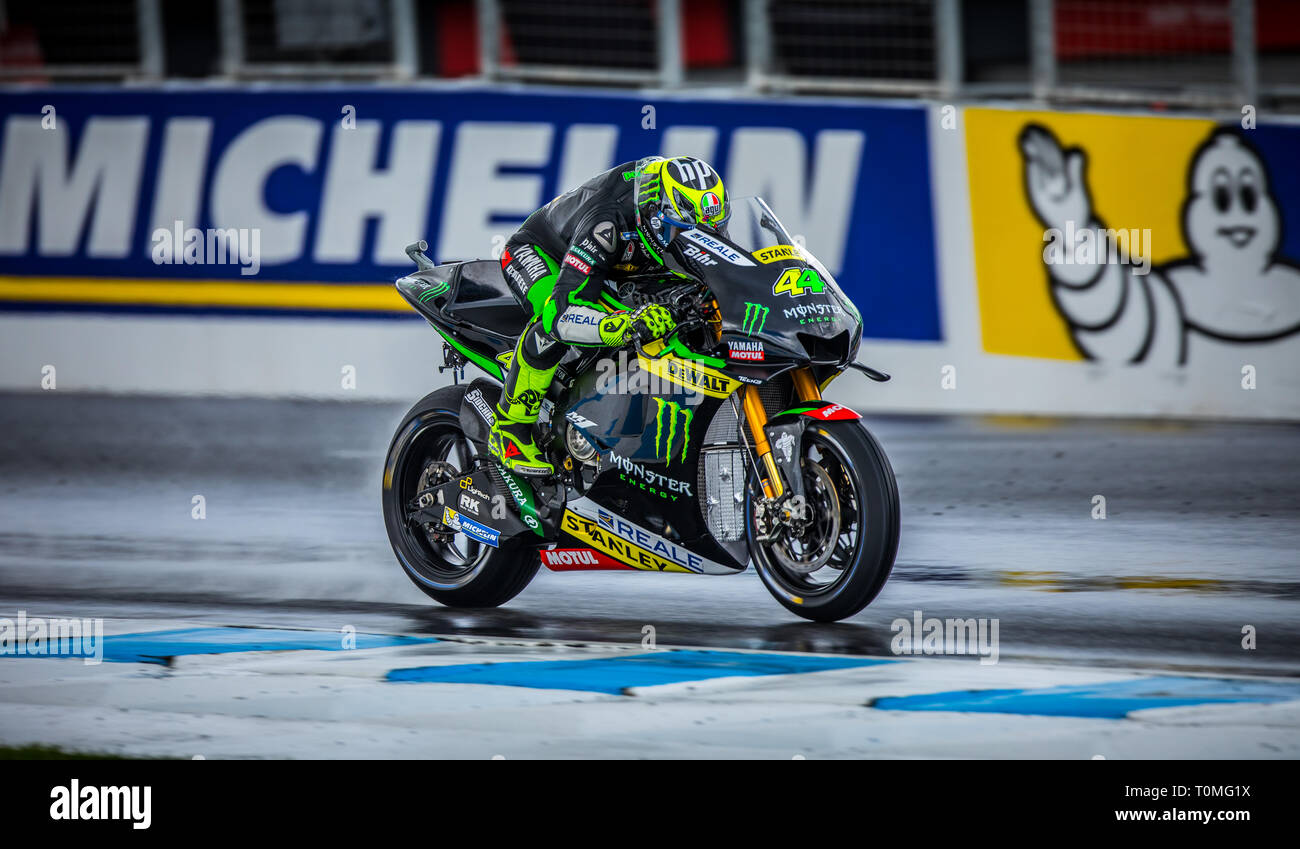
(1200, 537)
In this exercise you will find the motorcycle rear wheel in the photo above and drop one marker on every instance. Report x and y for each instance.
(456, 571)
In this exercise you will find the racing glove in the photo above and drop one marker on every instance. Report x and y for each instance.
(622, 327)
(657, 320)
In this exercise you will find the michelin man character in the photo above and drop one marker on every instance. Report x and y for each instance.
(1233, 289)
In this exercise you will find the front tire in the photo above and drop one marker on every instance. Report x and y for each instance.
(457, 572)
(862, 537)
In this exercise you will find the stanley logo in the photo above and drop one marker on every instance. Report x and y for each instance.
(653, 556)
(777, 253)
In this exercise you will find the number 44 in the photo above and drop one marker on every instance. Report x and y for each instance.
(795, 282)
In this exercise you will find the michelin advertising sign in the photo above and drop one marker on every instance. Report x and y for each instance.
(1003, 259)
(300, 202)
(1156, 243)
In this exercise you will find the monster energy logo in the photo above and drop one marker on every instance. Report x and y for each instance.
(649, 190)
(755, 319)
(673, 410)
(438, 288)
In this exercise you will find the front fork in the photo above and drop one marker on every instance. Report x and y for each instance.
(771, 466)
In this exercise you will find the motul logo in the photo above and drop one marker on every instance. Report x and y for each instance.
(570, 259)
(571, 557)
(578, 559)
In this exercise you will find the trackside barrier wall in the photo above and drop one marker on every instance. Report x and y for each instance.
(932, 219)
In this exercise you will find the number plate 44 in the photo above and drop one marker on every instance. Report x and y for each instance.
(796, 282)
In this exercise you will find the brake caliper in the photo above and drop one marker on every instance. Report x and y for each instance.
(434, 475)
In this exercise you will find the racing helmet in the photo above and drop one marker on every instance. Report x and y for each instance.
(676, 194)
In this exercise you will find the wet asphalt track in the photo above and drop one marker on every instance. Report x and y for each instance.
(1202, 535)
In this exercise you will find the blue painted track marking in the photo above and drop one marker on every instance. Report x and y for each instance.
(613, 675)
(1100, 701)
(157, 646)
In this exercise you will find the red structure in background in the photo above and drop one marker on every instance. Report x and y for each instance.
(457, 48)
(707, 40)
(19, 48)
(1089, 30)
(707, 35)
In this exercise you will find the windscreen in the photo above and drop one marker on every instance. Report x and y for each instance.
(754, 225)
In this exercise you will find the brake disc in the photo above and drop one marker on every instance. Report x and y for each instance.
(435, 474)
(819, 540)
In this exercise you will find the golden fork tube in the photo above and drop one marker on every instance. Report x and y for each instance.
(804, 386)
(757, 418)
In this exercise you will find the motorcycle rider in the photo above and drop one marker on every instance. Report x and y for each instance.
(561, 261)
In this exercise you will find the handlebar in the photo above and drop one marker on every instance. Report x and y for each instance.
(641, 336)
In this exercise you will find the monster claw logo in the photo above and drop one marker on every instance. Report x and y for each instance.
(434, 291)
(671, 410)
(755, 319)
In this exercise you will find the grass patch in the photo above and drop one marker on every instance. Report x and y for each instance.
(42, 752)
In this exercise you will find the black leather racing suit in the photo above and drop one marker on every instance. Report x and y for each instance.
(572, 247)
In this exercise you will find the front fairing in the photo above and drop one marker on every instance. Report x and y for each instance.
(779, 306)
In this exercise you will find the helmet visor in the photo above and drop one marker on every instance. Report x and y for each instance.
(709, 210)
(681, 213)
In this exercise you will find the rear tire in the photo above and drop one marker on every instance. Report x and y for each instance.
(867, 498)
(478, 575)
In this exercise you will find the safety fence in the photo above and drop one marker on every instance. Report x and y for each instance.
(1195, 53)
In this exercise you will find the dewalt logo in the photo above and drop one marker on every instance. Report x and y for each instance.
(667, 416)
(755, 319)
(696, 377)
(691, 377)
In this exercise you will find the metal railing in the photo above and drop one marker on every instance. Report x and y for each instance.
(592, 41)
(854, 46)
(1136, 51)
(80, 39)
(1194, 52)
(1176, 52)
(318, 38)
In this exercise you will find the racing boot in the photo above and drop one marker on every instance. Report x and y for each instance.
(531, 369)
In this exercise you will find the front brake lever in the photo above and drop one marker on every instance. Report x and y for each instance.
(640, 352)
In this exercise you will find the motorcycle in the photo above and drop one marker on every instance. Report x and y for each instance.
(695, 453)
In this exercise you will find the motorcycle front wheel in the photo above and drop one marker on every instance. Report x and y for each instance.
(842, 560)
